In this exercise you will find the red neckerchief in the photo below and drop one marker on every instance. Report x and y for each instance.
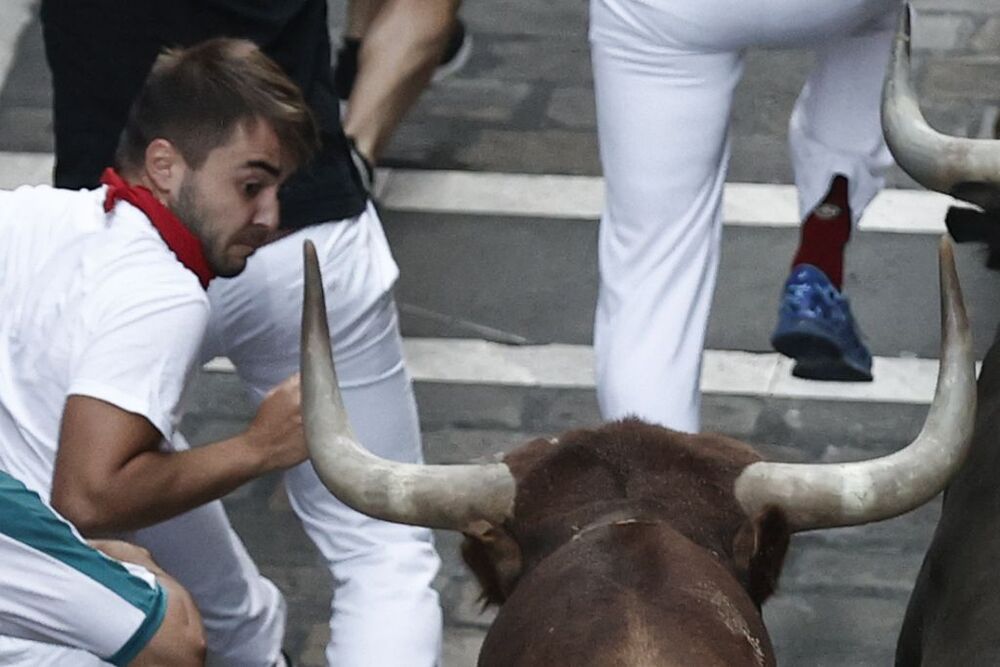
(178, 238)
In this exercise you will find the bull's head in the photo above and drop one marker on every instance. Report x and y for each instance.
(462, 497)
(700, 518)
(949, 618)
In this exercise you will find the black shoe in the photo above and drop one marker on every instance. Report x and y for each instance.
(456, 54)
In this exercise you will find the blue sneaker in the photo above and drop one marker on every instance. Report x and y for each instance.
(816, 328)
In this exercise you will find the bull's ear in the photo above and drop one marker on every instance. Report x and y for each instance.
(759, 551)
(494, 557)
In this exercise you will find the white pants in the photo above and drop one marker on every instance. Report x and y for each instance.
(664, 74)
(384, 611)
(243, 613)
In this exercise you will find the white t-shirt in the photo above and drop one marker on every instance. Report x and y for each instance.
(91, 304)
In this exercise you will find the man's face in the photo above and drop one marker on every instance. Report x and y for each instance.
(231, 201)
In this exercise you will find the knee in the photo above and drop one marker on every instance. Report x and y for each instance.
(407, 561)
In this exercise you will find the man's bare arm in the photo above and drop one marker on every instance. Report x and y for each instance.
(180, 639)
(404, 41)
(110, 475)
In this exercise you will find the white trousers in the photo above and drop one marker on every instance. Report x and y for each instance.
(384, 610)
(243, 613)
(664, 74)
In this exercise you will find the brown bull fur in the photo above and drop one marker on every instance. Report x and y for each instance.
(953, 612)
(627, 540)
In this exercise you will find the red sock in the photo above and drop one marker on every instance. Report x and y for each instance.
(825, 233)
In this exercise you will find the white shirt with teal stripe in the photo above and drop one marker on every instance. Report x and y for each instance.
(61, 601)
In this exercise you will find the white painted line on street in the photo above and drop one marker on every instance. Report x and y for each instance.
(488, 193)
(467, 361)
(17, 169)
(724, 372)
(219, 365)
(571, 197)
(582, 197)
(14, 16)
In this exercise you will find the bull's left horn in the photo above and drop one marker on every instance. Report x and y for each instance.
(436, 496)
(844, 494)
(965, 168)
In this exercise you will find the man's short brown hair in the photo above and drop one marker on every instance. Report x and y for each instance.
(196, 97)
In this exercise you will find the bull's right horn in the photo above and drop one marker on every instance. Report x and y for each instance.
(824, 495)
(437, 496)
(965, 168)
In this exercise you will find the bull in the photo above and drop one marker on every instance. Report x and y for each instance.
(951, 618)
(631, 544)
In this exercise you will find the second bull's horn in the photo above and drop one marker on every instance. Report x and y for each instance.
(844, 494)
(438, 496)
(965, 168)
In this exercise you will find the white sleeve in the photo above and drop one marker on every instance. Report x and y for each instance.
(141, 347)
(56, 589)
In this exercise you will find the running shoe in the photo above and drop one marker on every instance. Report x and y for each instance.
(816, 328)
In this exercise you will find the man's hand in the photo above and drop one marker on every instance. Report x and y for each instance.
(180, 639)
(276, 430)
(126, 551)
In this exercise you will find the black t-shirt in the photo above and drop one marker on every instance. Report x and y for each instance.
(101, 50)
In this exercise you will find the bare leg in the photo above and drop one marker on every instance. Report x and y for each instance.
(359, 16)
(402, 45)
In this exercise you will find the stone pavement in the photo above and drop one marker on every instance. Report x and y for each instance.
(524, 105)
